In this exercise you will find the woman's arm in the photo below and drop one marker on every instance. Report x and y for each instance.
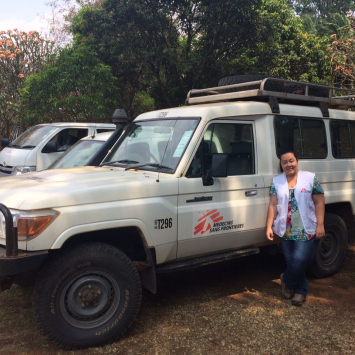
(318, 200)
(271, 215)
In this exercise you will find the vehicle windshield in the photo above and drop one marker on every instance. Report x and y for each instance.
(32, 137)
(153, 145)
(78, 154)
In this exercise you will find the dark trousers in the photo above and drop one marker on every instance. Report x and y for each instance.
(298, 254)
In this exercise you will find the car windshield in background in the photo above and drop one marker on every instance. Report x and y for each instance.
(32, 137)
(153, 145)
(78, 154)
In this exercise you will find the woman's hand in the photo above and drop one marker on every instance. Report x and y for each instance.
(269, 234)
(320, 232)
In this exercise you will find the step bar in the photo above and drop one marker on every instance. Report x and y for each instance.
(205, 260)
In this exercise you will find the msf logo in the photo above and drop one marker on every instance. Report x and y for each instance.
(207, 221)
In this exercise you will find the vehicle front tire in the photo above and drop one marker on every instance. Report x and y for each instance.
(331, 250)
(87, 296)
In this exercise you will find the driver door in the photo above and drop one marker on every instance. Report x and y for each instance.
(230, 214)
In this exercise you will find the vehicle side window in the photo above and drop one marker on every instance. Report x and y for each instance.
(67, 137)
(305, 136)
(342, 135)
(234, 139)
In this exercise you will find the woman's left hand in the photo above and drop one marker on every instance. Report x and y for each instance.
(320, 232)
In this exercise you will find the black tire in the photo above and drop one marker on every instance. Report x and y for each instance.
(26, 279)
(332, 249)
(87, 296)
(269, 85)
(238, 79)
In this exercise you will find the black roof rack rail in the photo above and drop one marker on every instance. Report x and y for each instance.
(278, 90)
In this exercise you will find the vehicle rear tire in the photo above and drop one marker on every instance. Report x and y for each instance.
(269, 85)
(331, 250)
(87, 296)
(238, 79)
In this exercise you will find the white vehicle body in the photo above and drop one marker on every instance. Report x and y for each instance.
(154, 200)
(28, 153)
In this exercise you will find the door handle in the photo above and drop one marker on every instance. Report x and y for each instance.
(251, 193)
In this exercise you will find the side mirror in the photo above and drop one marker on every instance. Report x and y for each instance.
(5, 142)
(51, 147)
(218, 169)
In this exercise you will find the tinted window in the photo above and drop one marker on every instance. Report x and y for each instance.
(305, 136)
(342, 135)
(67, 137)
(102, 130)
(235, 140)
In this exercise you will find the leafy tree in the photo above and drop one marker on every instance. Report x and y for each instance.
(321, 8)
(342, 52)
(283, 48)
(60, 19)
(76, 87)
(164, 48)
(21, 54)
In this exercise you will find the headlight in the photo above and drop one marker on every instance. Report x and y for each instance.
(24, 170)
(29, 224)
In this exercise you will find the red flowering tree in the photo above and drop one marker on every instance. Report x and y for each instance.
(21, 54)
(342, 51)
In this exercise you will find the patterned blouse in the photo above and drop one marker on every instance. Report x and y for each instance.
(294, 226)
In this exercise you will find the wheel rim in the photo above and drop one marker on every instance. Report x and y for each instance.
(329, 247)
(89, 299)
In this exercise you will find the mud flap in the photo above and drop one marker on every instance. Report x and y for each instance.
(149, 280)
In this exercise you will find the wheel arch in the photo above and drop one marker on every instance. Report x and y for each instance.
(130, 239)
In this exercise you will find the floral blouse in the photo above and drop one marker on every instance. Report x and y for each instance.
(294, 226)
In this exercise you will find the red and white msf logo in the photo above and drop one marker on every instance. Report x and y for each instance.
(207, 221)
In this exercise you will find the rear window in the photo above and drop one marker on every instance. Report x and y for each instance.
(305, 136)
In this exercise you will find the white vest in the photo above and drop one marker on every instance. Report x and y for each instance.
(303, 195)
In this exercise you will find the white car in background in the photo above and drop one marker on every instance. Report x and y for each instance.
(41, 145)
(81, 152)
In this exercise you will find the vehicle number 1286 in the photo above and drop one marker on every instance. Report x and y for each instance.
(164, 223)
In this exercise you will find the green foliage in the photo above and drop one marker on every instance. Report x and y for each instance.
(342, 54)
(283, 48)
(166, 48)
(321, 8)
(147, 54)
(77, 87)
(21, 54)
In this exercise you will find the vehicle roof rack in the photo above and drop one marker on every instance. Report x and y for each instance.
(275, 90)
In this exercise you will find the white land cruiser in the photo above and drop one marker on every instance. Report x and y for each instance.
(183, 187)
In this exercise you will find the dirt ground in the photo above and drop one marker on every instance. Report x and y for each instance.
(228, 308)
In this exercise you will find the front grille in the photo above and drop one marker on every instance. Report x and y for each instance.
(6, 170)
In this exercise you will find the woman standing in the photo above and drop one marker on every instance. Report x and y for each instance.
(296, 214)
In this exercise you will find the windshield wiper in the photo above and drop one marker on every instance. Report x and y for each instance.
(124, 161)
(28, 147)
(155, 165)
(14, 146)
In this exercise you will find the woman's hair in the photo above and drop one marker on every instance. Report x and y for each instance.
(286, 152)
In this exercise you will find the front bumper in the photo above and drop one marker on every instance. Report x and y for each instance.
(6, 170)
(13, 261)
(23, 262)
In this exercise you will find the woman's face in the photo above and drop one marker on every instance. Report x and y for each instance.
(289, 164)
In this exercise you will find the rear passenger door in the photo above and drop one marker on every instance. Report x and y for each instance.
(229, 214)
